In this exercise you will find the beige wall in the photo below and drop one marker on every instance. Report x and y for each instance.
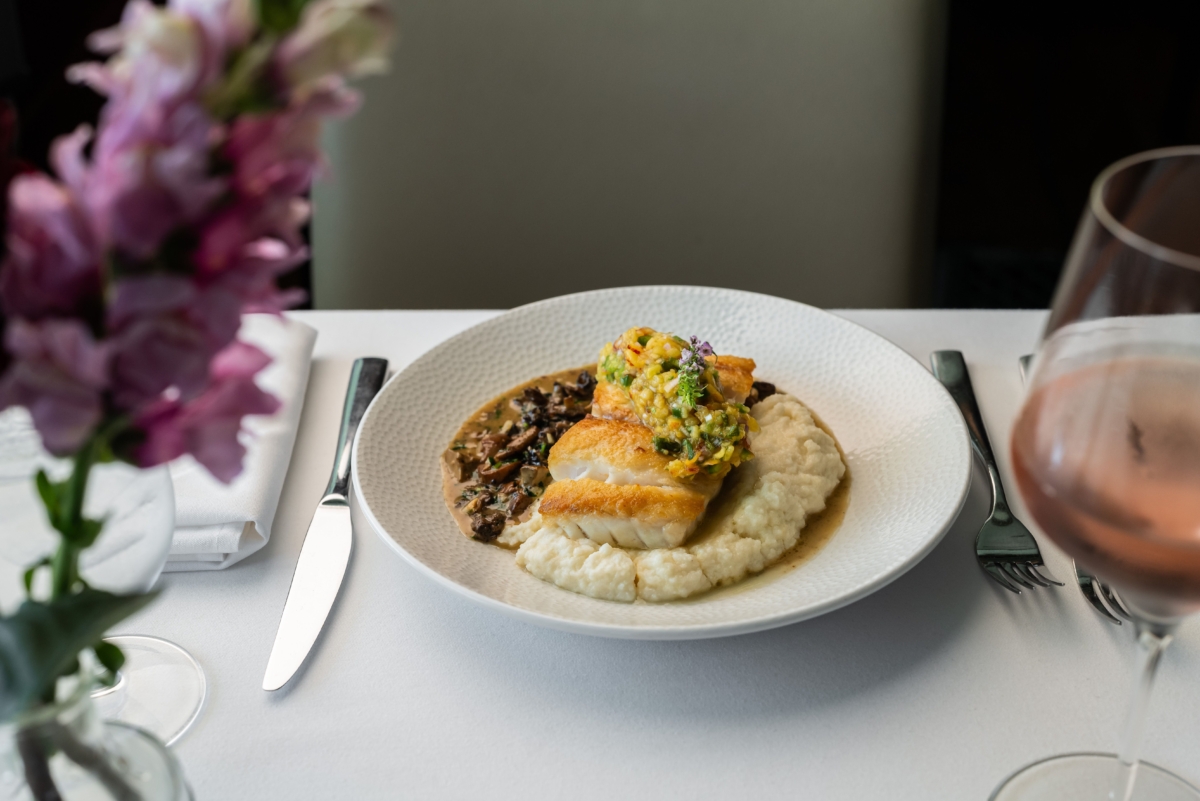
(521, 149)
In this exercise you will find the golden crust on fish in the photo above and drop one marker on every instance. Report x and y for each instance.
(611, 403)
(737, 376)
(618, 452)
(628, 515)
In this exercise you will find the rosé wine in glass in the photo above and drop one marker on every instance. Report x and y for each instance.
(1107, 458)
(1106, 448)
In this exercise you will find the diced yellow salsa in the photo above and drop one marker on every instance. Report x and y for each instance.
(676, 392)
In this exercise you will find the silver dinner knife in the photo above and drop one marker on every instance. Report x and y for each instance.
(326, 549)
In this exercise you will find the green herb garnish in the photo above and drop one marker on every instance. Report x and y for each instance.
(691, 372)
(666, 446)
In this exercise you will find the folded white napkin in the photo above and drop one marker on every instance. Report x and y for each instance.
(218, 524)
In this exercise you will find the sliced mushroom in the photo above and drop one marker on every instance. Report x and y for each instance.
(487, 524)
(518, 443)
(460, 465)
(517, 502)
(584, 386)
(532, 475)
(497, 474)
(760, 390)
(491, 444)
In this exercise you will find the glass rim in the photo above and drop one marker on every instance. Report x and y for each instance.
(1117, 229)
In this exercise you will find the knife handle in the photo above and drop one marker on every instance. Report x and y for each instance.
(366, 379)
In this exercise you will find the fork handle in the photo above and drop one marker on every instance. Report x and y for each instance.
(950, 368)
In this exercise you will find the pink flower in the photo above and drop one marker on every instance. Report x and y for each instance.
(58, 372)
(145, 183)
(53, 264)
(252, 275)
(158, 57)
(227, 24)
(165, 330)
(281, 153)
(209, 426)
(335, 38)
(227, 234)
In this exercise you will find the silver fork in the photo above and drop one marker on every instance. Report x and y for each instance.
(1092, 588)
(1004, 547)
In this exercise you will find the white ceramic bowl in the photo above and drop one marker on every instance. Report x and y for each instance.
(905, 443)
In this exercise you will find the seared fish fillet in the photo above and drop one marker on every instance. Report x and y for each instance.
(736, 374)
(611, 403)
(737, 377)
(628, 515)
(611, 486)
(618, 452)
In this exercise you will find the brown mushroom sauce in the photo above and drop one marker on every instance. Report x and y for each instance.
(496, 465)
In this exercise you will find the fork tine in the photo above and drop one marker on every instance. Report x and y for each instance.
(1033, 568)
(999, 575)
(1114, 602)
(1087, 586)
(1013, 574)
(1024, 570)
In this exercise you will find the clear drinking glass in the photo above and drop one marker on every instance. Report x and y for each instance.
(161, 688)
(1106, 449)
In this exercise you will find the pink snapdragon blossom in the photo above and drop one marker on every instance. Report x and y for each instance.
(275, 158)
(342, 38)
(281, 152)
(209, 426)
(142, 187)
(59, 373)
(158, 58)
(177, 219)
(54, 263)
(252, 277)
(227, 25)
(165, 330)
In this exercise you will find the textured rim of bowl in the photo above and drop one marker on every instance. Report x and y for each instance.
(682, 632)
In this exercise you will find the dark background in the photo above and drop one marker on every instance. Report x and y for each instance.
(1039, 98)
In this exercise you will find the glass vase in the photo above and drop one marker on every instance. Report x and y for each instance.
(64, 750)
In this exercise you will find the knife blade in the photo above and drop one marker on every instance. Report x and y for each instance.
(326, 549)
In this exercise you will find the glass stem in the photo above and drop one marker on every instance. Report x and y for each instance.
(1152, 640)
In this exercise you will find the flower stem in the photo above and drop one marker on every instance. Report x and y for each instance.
(37, 767)
(64, 565)
(93, 761)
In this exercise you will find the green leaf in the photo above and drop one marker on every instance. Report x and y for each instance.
(109, 655)
(89, 530)
(50, 493)
(40, 641)
(280, 16)
(246, 87)
(29, 574)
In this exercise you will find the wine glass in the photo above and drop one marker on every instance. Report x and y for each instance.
(1106, 448)
(161, 688)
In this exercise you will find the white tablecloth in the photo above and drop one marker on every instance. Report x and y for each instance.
(936, 687)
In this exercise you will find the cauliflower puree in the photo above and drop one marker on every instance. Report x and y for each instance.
(759, 517)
